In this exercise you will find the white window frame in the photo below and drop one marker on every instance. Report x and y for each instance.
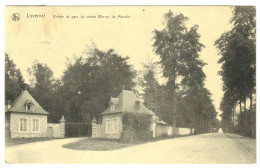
(115, 121)
(38, 125)
(108, 121)
(110, 126)
(19, 126)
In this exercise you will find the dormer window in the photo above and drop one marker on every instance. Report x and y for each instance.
(112, 104)
(29, 105)
(112, 107)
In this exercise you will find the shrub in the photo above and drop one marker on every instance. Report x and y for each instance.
(136, 121)
(165, 135)
(136, 127)
(129, 136)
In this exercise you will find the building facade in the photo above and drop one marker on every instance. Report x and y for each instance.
(26, 118)
(126, 102)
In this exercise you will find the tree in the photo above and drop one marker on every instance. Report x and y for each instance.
(14, 82)
(90, 81)
(177, 47)
(151, 88)
(237, 49)
(44, 89)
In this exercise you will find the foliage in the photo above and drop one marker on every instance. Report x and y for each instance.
(90, 81)
(177, 47)
(14, 82)
(189, 101)
(84, 90)
(237, 48)
(130, 136)
(151, 89)
(136, 121)
(44, 88)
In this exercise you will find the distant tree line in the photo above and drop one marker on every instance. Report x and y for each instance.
(90, 80)
(237, 49)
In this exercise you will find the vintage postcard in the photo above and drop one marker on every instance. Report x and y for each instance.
(130, 84)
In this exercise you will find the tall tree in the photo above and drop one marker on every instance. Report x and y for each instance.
(177, 47)
(238, 58)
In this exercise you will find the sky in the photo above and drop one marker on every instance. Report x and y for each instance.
(52, 40)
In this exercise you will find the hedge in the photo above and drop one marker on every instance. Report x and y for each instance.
(136, 121)
(136, 126)
(128, 136)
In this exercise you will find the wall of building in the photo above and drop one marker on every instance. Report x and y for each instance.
(162, 130)
(15, 125)
(185, 131)
(99, 130)
(181, 131)
(53, 130)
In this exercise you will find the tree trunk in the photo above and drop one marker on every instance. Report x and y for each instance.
(206, 125)
(252, 123)
(79, 133)
(245, 116)
(233, 118)
(89, 129)
(241, 117)
(173, 94)
(199, 123)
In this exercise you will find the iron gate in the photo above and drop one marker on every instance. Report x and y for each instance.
(78, 129)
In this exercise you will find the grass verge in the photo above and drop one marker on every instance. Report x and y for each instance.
(98, 144)
(18, 141)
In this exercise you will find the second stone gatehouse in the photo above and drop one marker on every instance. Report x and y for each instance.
(126, 102)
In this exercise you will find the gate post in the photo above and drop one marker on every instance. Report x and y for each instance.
(62, 127)
(94, 128)
(153, 126)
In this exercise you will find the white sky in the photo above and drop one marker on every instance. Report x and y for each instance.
(51, 40)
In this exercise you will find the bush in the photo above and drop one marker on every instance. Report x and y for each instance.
(136, 121)
(129, 136)
(165, 135)
(136, 127)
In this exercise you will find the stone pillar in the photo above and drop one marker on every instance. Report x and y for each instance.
(175, 131)
(62, 127)
(169, 132)
(94, 128)
(153, 125)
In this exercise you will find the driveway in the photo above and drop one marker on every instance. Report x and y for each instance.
(206, 148)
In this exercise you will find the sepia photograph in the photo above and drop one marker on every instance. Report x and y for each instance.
(130, 85)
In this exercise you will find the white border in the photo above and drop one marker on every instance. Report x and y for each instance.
(3, 3)
(130, 2)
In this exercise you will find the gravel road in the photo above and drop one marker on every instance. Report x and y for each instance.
(210, 148)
